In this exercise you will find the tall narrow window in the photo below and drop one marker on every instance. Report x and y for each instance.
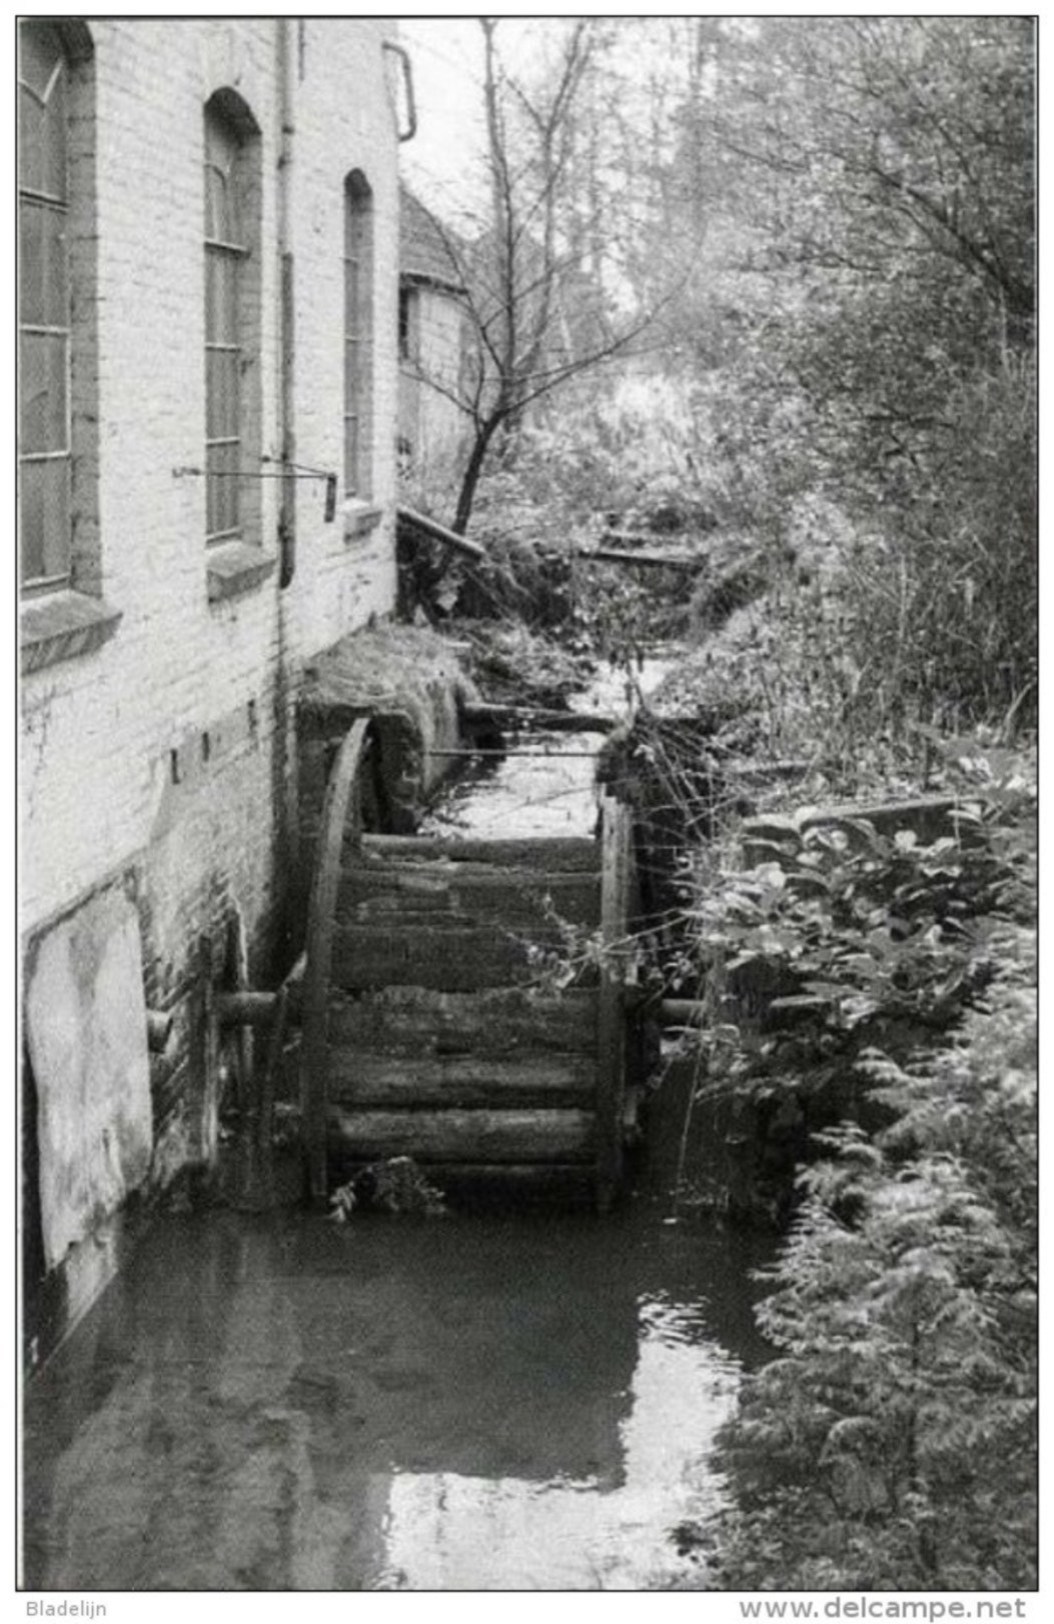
(44, 308)
(409, 300)
(226, 250)
(358, 332)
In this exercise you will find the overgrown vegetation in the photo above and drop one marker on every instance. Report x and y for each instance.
(530, 270)
(396, 1186)
(871, 193)
(537, 599)
(835, 246)
(841, 429)
(890, 1444)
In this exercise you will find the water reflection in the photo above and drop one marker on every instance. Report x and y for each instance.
(447, 1532)
(475, 1403)
(488, 1403)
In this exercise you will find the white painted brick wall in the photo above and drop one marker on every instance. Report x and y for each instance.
(340, 107)
(437, 430)
(99, 729)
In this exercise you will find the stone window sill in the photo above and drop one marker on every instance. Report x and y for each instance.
(360, 518)
(61, 626)
(235, 567)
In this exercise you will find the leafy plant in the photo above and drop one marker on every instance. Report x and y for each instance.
(856, 326)
(890, 1444)
(858, 923)
(395, 1186)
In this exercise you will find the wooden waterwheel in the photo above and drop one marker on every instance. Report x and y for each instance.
(427, 1027)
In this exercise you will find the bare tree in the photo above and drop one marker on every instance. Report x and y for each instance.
(538, 312)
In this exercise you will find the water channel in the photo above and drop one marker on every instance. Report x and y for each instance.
(545, 786)
(479, 1401)
(472, 1402)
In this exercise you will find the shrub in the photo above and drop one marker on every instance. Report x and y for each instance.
(890, 1444)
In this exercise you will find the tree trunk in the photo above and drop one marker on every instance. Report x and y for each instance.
(470, 479)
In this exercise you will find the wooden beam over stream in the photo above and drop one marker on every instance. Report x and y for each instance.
(622, 555)
(548, 721)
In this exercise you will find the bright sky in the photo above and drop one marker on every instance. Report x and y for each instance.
(443, 163)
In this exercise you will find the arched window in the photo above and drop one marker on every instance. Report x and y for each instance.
(232, 318)
(44, 307)
(358, 332)
(60, 561)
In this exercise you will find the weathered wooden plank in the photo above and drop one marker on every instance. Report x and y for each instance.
(410, 520)
(255, 1186)
(681, 1012)
(361, 1079)
(536, 752)
(620, 555)
(493, 1021)
(551, 1177)
(929, 817)
(616, 843)
(253, 1008)
(548, 721)
(474, 893)
(453, 959)
(423, 874)
(634, 538)
(247, 1008)
(465, 1136)
(319, 950)
(563, 853)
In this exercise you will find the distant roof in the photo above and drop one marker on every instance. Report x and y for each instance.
(423, 253)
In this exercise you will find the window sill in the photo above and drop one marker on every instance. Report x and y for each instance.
(236, 567)
(360, 518)
(62, 626)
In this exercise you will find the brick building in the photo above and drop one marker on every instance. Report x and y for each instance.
(435, 347)
(208, 222)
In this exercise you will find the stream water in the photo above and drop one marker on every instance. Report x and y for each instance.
(549, 788)
(524, 1401)
(519, 1402)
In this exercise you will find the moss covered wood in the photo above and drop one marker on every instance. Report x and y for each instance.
(432, 1027)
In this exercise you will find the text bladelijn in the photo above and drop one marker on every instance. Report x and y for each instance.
(66, 1609)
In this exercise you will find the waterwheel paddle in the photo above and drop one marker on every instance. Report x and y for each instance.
(428, 1031)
